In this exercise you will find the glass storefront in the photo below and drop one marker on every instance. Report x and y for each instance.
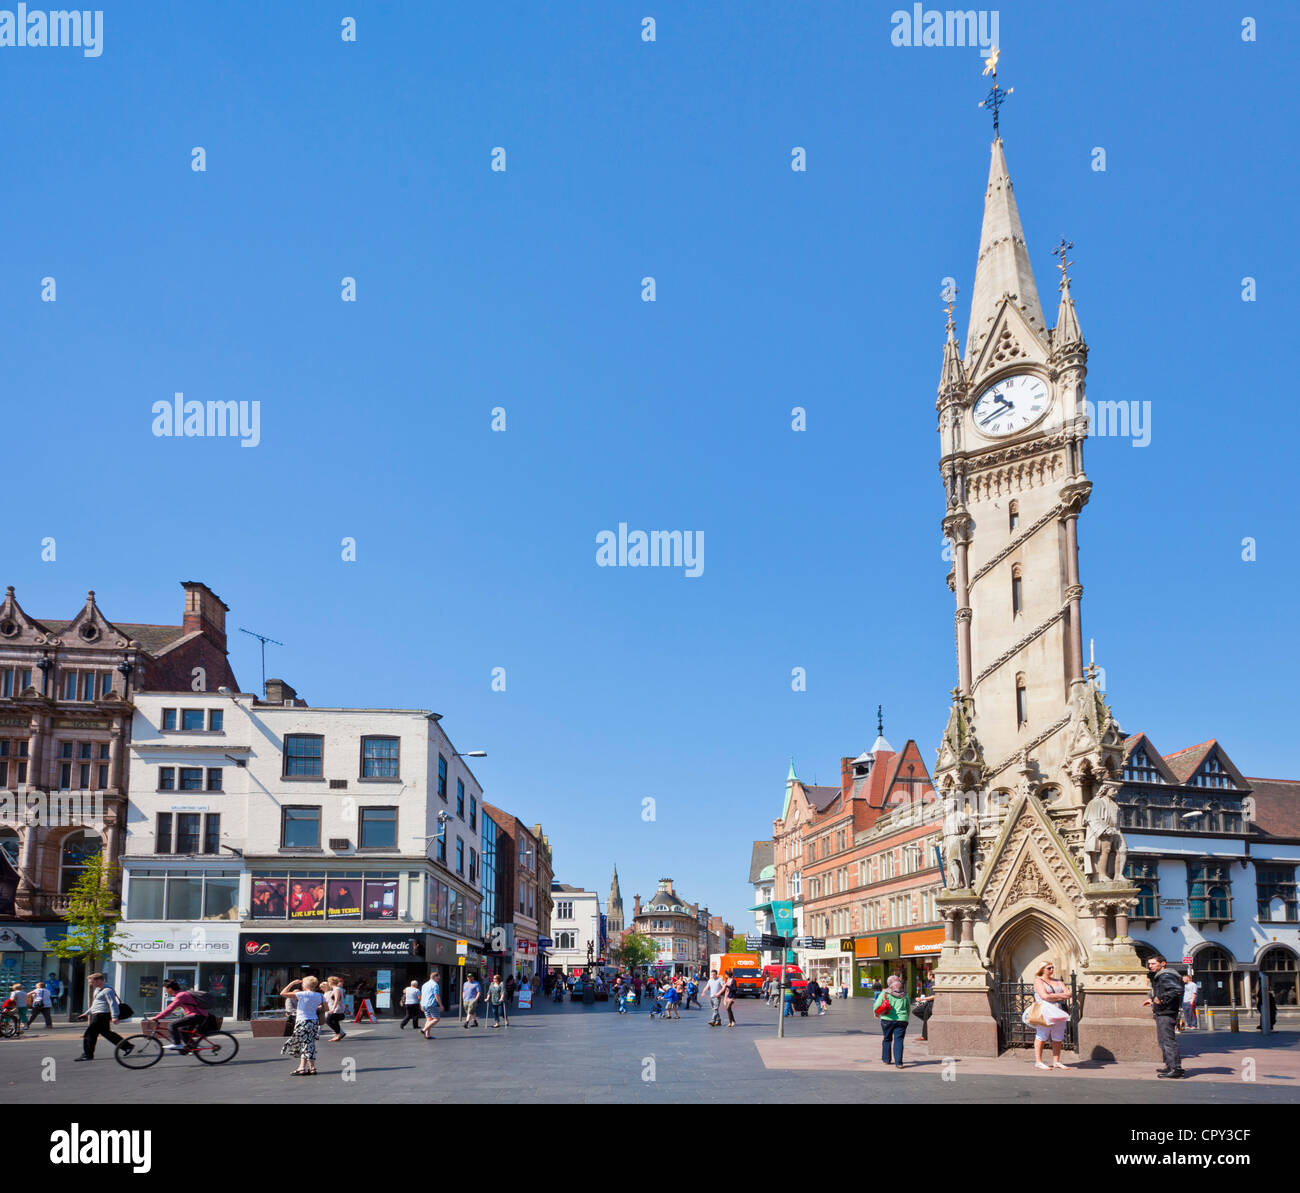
(141, 984)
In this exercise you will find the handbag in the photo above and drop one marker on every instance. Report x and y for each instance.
(125, 1010)
(882, 1007)
(1034, 1017)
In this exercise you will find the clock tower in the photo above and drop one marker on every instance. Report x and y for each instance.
(1031, 750)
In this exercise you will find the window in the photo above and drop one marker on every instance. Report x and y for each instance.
(378, 829)
(1209, 887)
(1013, 515)
(1017, 594)
(191, 719)
(162, 837)
(166, 778)
(300, 828)
(191, 778)
(184, 896)
(473, 864)
(460, 799)
(473, 814)
(145, 895)
(169, 718)
(1144, 873)
(1138, 768)
(188, 825)
(1022, 702)
(1275, 888)
(214, 778)
(216, 719)
(379, 757)
(78, 849)
(69, 685)
(442, 777)
(1280, 966)
(564, 909)
(460, 856)
(221, 896)
(212, 833)
(441, 852)
(13, 763)
(1212, 774)
(304, 755)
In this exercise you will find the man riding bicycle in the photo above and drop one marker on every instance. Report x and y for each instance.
(196, 1015)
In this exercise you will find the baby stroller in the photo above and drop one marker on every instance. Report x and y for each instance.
(657, 1010)
(798, 1002)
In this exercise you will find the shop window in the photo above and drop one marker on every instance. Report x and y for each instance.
(78, 849)
(221, 897)
(378, 828)
(144, 900)
(304, 756)
(1280, 966)
(300, 828)
(379, 757)
(184, 896)
(1214, 973)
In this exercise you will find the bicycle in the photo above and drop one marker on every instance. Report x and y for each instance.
(142, 1051)
(11, 1026)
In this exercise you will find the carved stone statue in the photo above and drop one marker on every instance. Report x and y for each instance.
(1104, 848)
(959, 831)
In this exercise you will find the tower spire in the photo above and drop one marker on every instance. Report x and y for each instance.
(1067, 331)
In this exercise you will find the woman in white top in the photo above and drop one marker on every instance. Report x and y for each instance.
(1050, 994)
(411, 1005)
(334, 1009)
(306, 1025)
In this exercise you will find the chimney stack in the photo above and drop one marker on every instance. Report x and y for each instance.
(205, 612)
(279, 692)
(636, 906)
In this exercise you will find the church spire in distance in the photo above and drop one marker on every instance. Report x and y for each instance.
(1003, 264)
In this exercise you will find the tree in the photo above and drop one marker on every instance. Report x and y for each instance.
(637, 950)
(94, 911)
(737, 945)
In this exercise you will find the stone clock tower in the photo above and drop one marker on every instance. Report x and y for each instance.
(1035, 858)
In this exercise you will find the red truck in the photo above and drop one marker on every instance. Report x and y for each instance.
(794, 979)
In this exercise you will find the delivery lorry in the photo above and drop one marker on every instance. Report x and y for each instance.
(746, 968)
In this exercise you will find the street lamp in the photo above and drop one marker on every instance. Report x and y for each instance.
(470, 754)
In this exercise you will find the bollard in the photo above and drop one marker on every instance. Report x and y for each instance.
(1209, 1018)
(1233, 1022)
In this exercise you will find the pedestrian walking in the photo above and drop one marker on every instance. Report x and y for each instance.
(892, 1007)
(19, 1000)
(714, 991)
(1272, 1008)
(431, 1003)
(411, 1005)
(309, 1006)
(922, 1010)
(730, 993)
(1049, 995)
(105, 1009)
(1166, 998)
(55, 987)
(693, 994)
(1190, 990)
(496, 998)
(672, 996)
(511, 987)
(40, 1000)
(814, 994)
(334, 1009)
(469, 997)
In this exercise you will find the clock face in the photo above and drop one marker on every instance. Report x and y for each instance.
(1010, 405)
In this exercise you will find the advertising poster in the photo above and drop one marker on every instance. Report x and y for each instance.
(381, 899)
(344, 899)
(307, 899)
(269, 896)
(526, 998)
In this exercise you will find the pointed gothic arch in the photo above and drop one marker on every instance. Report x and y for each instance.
(1029, 938)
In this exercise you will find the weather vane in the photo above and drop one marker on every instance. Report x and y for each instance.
(948, 306)
(1060, 251)
(997, 96)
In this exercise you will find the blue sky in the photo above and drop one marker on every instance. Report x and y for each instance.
(522, 289)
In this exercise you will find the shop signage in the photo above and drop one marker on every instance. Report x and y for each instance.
(65, 724)
(1173, 902)
(846, 945)
(887, 945)
(783, 918)
(526, 998)
(279, 948)
(928, 941)
(147, 943)
(865, 946)
(462, 948)
(15, 722)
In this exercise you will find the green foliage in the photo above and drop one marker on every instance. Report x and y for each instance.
(737, 945)
(637, 950)
(92, 916)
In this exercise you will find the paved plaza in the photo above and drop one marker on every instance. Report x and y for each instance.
(591, 1054)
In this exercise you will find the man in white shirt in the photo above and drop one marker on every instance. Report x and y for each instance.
(430, 1003)
(104, 1011)
(715, 988)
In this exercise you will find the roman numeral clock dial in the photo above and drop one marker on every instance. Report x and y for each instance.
(1010, 405)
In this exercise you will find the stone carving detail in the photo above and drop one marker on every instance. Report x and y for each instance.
(959, 832)
(1104, 848)
(992, 772)
(1015, 478)
(961, 760)
(1030, 884)
(1048, 849)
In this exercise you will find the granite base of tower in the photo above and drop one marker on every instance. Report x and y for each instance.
(963, 1022)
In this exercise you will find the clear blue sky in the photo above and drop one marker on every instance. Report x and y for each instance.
(522, 289)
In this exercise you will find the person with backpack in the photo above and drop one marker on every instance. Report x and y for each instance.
(892, 1008)
(196, 1011)
(813, 992)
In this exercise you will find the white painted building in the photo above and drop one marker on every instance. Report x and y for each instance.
(267, 840)
(575, 921)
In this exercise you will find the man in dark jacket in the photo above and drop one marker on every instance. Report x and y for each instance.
(1165, 1002)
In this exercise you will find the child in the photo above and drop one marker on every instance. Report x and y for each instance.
(627, 1003)
(657, 1010)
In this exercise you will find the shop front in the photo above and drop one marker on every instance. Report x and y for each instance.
(909, 955)
(26, 957)
(831, 965)
(919, 952)
(197, 957)
(372, 965)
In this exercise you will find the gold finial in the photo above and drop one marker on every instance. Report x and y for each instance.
(991, 66)
(997, 96)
